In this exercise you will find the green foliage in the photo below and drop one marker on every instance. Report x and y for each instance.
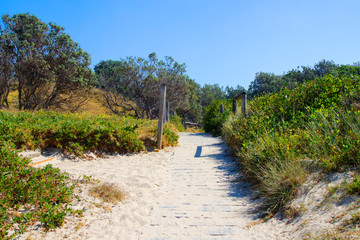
(211, 93)
(48, 67)
(76, 133)
(346, 70)
(133, 85)
(170, 137)
(30, 194)
(213, 120)
(176, 120)
(332, 139)
(73, 133)
(317, 124)
(354, 186)
(232, 92)
(265, 83)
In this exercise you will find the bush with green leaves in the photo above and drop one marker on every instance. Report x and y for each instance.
(177, 121)
(30, 194)
(213, 119)
(73, 133)
(316, 125)
(76, 133)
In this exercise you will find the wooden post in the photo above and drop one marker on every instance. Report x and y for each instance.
(221, 108)
(161, 115)
(167, 118)
(243, 104)
(234, 105)
(235, 99)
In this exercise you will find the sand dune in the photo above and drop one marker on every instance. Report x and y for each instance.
(193, 191)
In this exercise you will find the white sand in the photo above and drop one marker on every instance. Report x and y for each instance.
(188, 192)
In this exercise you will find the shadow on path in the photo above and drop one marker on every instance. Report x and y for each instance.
(238, 186)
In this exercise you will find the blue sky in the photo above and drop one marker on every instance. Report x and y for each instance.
(221, 41)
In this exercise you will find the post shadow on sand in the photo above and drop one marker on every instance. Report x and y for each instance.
(238, 187)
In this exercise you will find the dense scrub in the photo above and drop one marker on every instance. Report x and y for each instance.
(213, 119)
(288, 134)
(75, 133)
(28, 194)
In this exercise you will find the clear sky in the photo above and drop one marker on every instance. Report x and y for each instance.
(221, 41)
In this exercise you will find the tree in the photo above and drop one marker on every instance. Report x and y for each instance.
(348, 70)
(265, 83)
(133, 85)
(324, 67)
(232, 92)
(308, 73)
(191, 112)
(48, 67)
(210, 93)
(292, 78)
(6, 70)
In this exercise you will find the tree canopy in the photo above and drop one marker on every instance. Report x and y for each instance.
(270, 83)
(47, 66)
(133, 85)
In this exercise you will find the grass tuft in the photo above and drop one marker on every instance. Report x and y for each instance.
(107, 192)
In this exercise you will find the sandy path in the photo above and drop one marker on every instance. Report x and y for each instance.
(202, 199)
(187, 192)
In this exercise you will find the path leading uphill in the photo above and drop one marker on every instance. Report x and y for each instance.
(203, 198)
(193, 191)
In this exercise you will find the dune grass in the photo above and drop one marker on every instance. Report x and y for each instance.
(291, 133)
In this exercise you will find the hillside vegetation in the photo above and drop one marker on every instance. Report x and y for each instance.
(303, 121)
(29, 194)
(287, 135)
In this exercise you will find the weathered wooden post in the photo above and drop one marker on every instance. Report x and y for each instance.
(221, 108)
(161, 115)
(167, 115)
(234, 105)
(243, 104)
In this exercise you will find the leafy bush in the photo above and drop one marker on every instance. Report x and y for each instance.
(176, 120)
(285, 134)
(29, 194)
(333, 139)
(213, 120)
(170, 138)
(71, 132)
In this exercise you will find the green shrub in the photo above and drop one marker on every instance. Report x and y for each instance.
(333, 139)
(73, 133)
(169, 136)
(176, 120)
(213, 120)
(30, 194)
(316, 124)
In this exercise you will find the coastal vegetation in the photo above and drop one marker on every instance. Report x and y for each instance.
(314, 126)
(306, 120)
(31, 194)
